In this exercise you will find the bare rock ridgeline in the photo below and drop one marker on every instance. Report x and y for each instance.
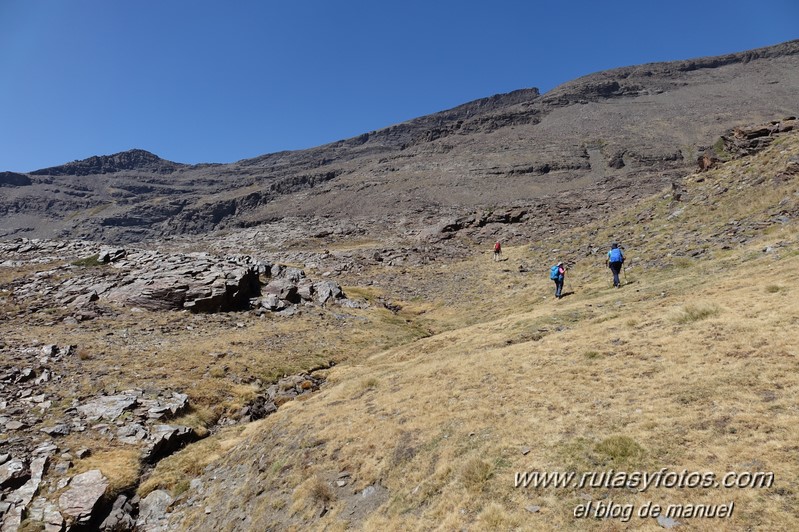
(633, 128)
(129, 160)
(656, 78)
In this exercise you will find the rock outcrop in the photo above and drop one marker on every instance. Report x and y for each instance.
(153, 280)
(745, 140)
(79, 501)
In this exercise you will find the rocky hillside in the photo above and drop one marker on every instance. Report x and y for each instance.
(323, 380)
(688, 367)
(612, 135)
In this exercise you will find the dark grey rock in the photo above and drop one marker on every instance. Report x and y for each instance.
(61, 429)
(283, 289)
(120, 518)
(166, 439)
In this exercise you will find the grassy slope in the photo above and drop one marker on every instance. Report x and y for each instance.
(692, 365)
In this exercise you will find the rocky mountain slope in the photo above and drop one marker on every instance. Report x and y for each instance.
(687, 368)
(320, 339)
(619, 133)
(128, 401)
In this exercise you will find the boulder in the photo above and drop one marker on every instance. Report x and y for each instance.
(108, 407)
(167, 408)
(272, 302)
(166, 439)
(132, 433)
(25, 493)
(165, 294)
(283, 289)
(13, 473)
(52, 518)
(85, 490)
(120, 518)
(261, 407)
(326, 290)
(294, 275)
(61, 429)
(152, 511)
(306, 291)
(107, 255)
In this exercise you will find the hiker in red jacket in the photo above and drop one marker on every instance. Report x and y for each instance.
(497, 251)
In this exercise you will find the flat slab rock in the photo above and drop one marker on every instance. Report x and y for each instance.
(108, 407)
(85, 490)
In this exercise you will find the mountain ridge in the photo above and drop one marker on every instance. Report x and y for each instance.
(631, 128)
(133, 159)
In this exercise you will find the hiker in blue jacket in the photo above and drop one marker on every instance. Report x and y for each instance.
(557, 273)
(615, 261)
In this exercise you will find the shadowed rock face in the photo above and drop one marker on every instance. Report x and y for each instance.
(12, 179)
(108, 164)
(631, 129)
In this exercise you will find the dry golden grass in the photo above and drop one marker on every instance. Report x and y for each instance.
(446, 430)
(691, 366)
(174, 472)
(121, 465)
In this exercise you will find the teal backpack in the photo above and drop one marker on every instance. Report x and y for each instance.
(553, 272)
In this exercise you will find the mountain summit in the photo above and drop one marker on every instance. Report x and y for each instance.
(107, 164)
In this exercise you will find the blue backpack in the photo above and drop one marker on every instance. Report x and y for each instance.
(553, 272)
(615, 255)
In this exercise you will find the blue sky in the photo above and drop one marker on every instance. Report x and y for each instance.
(212, 81)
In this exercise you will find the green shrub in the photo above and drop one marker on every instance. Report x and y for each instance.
(87, 262)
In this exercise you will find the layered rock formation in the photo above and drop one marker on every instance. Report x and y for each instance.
(153, 280)
(513, 150)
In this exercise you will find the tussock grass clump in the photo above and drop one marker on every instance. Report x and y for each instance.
(692, 313)
(31, 526)
(495, 517)
(320, 490)
(309, 495)
(476, 473)
(774, 289)
(370, 383)
(620, 450)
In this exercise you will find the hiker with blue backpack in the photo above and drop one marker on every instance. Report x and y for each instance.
(557, 273)
(615, 261)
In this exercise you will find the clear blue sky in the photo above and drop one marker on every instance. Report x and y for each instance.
(218, 81)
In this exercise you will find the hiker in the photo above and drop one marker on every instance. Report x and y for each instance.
(497, 251)
(557, 273)
(615, 261)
